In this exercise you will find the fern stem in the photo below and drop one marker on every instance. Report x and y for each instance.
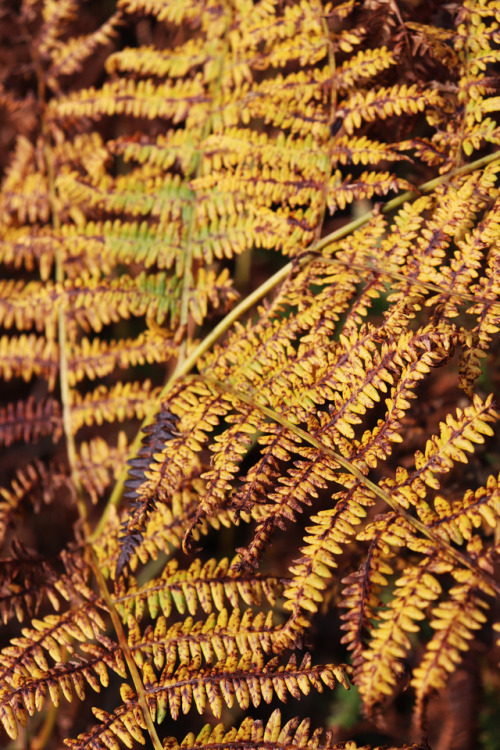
(246, 304)
(62, 336)
(454, 554)
(331, 117)
(122, 640)
(70, 440)
(194, 172)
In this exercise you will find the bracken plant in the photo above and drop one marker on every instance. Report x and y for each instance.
(249, 352)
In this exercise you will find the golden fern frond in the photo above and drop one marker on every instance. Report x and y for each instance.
(94, 358)
(28, 247)
(246, 681)
(193, 642)
(208, 586)
(368, 106)
(28, 580)
(27, 356)
(25, 198)
(416, 590)
(454, 622)
(344, 191)
(476, 26)
(456, 520)
(478, 338)
(457, 435)
(66, 680)
(69, 57)
(256, 735)
(361, 150)
(384, 659)
(361, 593)
(133, 539)
(364, 64)
(27, 677)
(121, 402)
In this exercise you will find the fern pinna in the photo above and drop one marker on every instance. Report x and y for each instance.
(249, 354)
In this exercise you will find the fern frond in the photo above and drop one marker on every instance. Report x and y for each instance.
(126, 724)
(364, 187)
(331, 529)
(208, 586)
(31, 685)
(364, 64)
(255, 735)
(174, 101)
(362, 150)
(311, 441)
(35, 305)
(99, 462)
(26, 675)
(175, 461)
(442, 452)
(28, 247)
(478, 339)
(225, 683)
(383, 660)
(27, 486)
(384, 103)
(121, 402)
(475, 30)
(438, 42)
(94, 358)
(69, 57)
(30, 420)
(27, 579)
(360, 595)
(194, 642)
(27, 356)
(24, 197)
(456, 520)
(244, 682)
(453, 621)
(176, 12)
(168, 527)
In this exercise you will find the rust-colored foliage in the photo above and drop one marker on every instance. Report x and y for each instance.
(212, 504)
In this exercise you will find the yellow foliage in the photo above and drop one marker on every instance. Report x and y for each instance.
(320, 451)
